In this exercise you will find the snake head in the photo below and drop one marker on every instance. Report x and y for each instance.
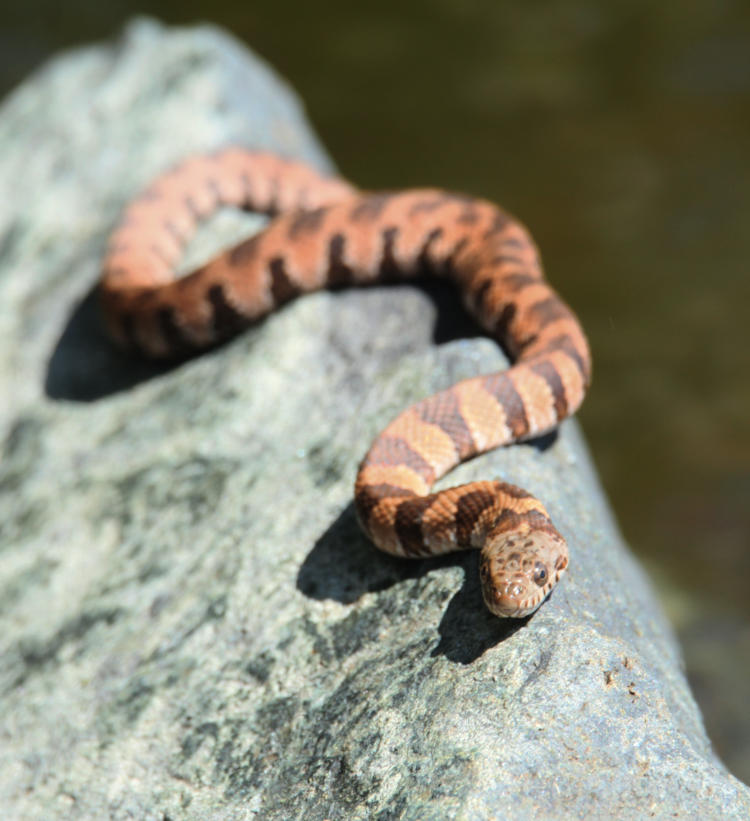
(518, 568)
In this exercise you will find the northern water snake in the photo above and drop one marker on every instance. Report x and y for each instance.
(324, 232)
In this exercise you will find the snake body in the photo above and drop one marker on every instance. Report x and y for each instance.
(324, 233)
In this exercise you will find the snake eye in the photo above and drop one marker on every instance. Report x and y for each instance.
(540, 574)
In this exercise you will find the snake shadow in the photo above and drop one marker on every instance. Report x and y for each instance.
(343, 565)
(85, 365)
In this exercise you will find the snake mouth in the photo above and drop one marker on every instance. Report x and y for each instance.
(507, 608)
(516, 599)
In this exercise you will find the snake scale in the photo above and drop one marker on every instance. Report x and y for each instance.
(324, 232)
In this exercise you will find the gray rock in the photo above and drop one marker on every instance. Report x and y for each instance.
(192, 626)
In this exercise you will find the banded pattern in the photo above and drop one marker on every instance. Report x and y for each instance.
(325, 233)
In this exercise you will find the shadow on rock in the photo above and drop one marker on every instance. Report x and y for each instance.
(452, 320)
(343, 566)
(467, 628)
(542, 443)
(86, 366)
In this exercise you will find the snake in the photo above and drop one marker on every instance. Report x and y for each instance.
(324, 232)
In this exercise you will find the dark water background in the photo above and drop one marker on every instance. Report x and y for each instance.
(620, 132)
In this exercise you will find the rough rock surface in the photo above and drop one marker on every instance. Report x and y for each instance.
(192, 625)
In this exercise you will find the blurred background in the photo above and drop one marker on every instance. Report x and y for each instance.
(619, 131)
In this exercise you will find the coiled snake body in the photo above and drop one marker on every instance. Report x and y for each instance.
(327, 233)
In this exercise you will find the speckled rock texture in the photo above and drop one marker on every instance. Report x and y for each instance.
(191, 624)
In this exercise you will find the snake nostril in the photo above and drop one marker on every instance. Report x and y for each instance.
(514, 590)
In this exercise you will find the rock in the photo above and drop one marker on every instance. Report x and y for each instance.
(192, 624)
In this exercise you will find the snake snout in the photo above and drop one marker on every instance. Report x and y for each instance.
(512, 599)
